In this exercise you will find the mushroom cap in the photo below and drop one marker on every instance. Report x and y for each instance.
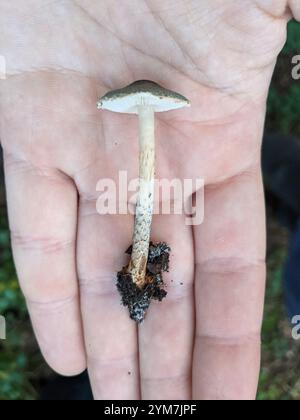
(142, 93)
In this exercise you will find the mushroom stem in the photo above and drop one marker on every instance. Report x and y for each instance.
(145, 200)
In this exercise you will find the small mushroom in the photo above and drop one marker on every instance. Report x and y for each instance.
(143, 98)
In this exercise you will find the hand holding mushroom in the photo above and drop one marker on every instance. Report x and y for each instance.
(203, 341)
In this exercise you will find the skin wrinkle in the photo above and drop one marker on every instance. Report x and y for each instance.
(75, 116)
(58, 177)
(51, 305)
(88, 201)
(130, 72)
(175, 296)
(26, 17)
(231, 122)
(170, 125)
(230, 340)
(228, 265)
(88, 198)
(143, 53)
(159, 12)
(85, 196)
(222, 89)
(121, 361)
(97, 280)
(18, 165)
(123, 41)
(98, 23)
(242, 31)
(96, 290)
(282, 12)
(227, 120)
(257, 68)
(87, 167)
(249, 171)
(95, 285)
(245, 170)
(260, 68)
(64, 71)
(112, 361)
(210, 18)
(176, 42)
(44, 245)
(183, 376)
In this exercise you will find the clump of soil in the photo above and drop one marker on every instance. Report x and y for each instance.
(138, 299)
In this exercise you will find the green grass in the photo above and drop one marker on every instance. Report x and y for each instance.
(19, 356)
(284, 98)
(280, 375)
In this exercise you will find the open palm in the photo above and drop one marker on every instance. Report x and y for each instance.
(203, 341)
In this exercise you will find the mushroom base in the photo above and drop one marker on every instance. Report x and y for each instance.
(136, 298)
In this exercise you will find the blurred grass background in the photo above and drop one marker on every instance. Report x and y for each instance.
(22, 370)
(280, 375)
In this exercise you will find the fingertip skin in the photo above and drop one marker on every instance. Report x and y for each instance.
(278, 8)
(295, 8)
(74, 368)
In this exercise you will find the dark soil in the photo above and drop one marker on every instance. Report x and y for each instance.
(138, 299)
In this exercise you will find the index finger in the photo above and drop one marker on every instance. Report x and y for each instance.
(230, 283)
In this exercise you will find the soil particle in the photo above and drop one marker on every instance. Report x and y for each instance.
(138, 299)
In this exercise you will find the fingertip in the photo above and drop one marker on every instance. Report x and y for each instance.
(70, 360)
(58, 329)
(68, 368)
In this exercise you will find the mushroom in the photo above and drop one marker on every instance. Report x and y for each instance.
(144, 98)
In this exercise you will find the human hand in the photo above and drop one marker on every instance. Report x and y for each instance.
(203, 341)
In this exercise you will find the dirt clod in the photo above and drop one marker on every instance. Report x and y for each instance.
(138, 299)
